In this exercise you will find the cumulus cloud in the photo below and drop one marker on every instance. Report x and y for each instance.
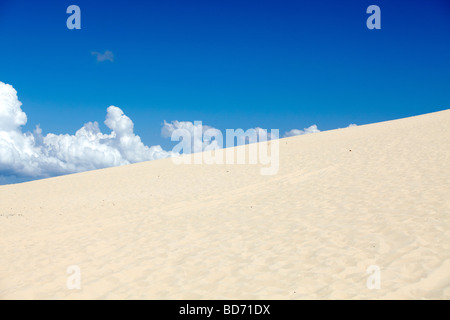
(34, 155)
(311, 129)
(297, 132)
(31, 155)
(199, 134)
(102, 57)
(204, 137)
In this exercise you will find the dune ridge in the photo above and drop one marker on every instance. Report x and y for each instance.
(343, 200)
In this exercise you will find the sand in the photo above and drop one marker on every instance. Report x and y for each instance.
(157, 230)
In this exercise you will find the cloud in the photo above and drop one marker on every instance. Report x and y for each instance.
(196, 130)
(201, 135)
(34, 155)
(311, 129)
(102, 57)
(297, 132)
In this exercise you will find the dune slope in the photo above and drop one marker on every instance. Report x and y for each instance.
(157, 230)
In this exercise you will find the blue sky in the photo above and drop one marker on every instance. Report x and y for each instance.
(231, 64)
(280, 64)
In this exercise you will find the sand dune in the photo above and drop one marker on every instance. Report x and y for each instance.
(157, 230)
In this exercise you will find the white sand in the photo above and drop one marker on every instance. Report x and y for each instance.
(161, 231)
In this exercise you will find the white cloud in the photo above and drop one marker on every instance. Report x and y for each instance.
(33, 155)
(196, 131)
(101, 57)
(311, 129)
(200, 135)
(25, 155)
(297, 132)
